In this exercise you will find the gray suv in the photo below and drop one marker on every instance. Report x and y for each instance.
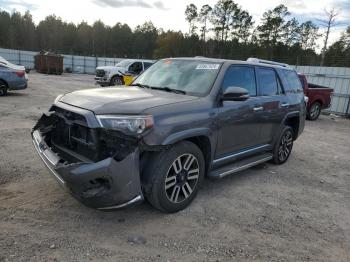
(182, 120)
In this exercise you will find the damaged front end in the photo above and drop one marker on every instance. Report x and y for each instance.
(99, 166)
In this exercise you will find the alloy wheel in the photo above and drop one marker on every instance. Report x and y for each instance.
(285, 146)
(118, 81)
(315, 110)
(182, 178)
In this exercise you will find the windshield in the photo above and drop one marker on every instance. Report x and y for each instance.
(124, 63)
(192, 77)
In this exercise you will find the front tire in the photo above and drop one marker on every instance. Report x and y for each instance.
(116, 81)
(284, 146)
(174, 177)
(314, 112)
(3, 88)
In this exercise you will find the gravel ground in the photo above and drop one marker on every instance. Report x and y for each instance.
(296, 212)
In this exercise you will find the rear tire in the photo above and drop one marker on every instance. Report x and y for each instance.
(284, 146)
(174, 177)
(314, 112)
(3, 88)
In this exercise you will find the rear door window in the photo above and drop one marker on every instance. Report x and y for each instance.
(136, 67)
(240, 76)
(269, 82)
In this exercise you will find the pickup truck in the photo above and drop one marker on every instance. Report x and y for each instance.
(113, 75)
(319, 98)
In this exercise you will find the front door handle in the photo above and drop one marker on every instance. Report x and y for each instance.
(256, 109)
(285, 105)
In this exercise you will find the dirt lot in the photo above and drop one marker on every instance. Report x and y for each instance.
(296, 212)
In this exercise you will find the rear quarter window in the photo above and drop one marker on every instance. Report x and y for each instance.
(293, 81)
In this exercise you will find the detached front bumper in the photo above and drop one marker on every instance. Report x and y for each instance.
(107, 184)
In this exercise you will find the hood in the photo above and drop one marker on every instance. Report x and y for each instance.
(122, 100)
(110, 68)
(6, 63)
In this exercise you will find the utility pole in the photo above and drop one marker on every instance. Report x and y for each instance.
(328, 23)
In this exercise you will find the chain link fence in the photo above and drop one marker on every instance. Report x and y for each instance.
(337, 78)
(76, 64)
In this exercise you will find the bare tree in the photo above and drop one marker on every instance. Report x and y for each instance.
(329, 22)
(204, 16)
(191, 14)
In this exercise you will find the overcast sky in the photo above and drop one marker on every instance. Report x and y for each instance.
(167, 14)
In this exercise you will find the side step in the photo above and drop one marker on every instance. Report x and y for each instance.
(240, 165)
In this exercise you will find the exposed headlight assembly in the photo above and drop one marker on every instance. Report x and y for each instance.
(133, 124)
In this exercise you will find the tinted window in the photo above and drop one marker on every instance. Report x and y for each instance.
(147, 65)
(268, 82)
(293, 80)
(241, 76)
(136, 67)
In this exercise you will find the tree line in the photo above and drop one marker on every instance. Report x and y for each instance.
(224, 30)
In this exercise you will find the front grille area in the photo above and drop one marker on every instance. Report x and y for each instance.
(100, 73)
(71, 116)
(80, 141)
(68, 135)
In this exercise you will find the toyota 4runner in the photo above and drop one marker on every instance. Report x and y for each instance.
(182, 120)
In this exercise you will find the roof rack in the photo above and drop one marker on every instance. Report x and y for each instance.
(261, 61)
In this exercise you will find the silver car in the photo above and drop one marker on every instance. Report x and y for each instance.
(12, 77)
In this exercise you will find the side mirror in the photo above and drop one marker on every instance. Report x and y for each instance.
(235, 93)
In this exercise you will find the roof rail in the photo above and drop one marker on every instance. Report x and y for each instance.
(261, 61)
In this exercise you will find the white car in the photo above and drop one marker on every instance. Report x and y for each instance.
(113, 75)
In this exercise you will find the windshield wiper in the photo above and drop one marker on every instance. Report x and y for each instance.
(168, 89)
(141, 85)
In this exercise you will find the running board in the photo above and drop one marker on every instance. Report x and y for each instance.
(240, 165)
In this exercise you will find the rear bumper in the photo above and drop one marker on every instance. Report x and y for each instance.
(18, 85)
(105, 185)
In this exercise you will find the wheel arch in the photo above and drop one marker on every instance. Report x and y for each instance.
(202, 137)
(203, 143)
(3, 80)
(318, 100)
(293, 120)
(116, 75)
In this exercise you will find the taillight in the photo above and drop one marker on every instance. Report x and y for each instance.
(20, 73)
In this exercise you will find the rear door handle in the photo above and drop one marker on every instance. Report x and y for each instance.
(256, 109)
(285, 105)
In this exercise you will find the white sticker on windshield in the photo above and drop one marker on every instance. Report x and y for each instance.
(208, 66)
